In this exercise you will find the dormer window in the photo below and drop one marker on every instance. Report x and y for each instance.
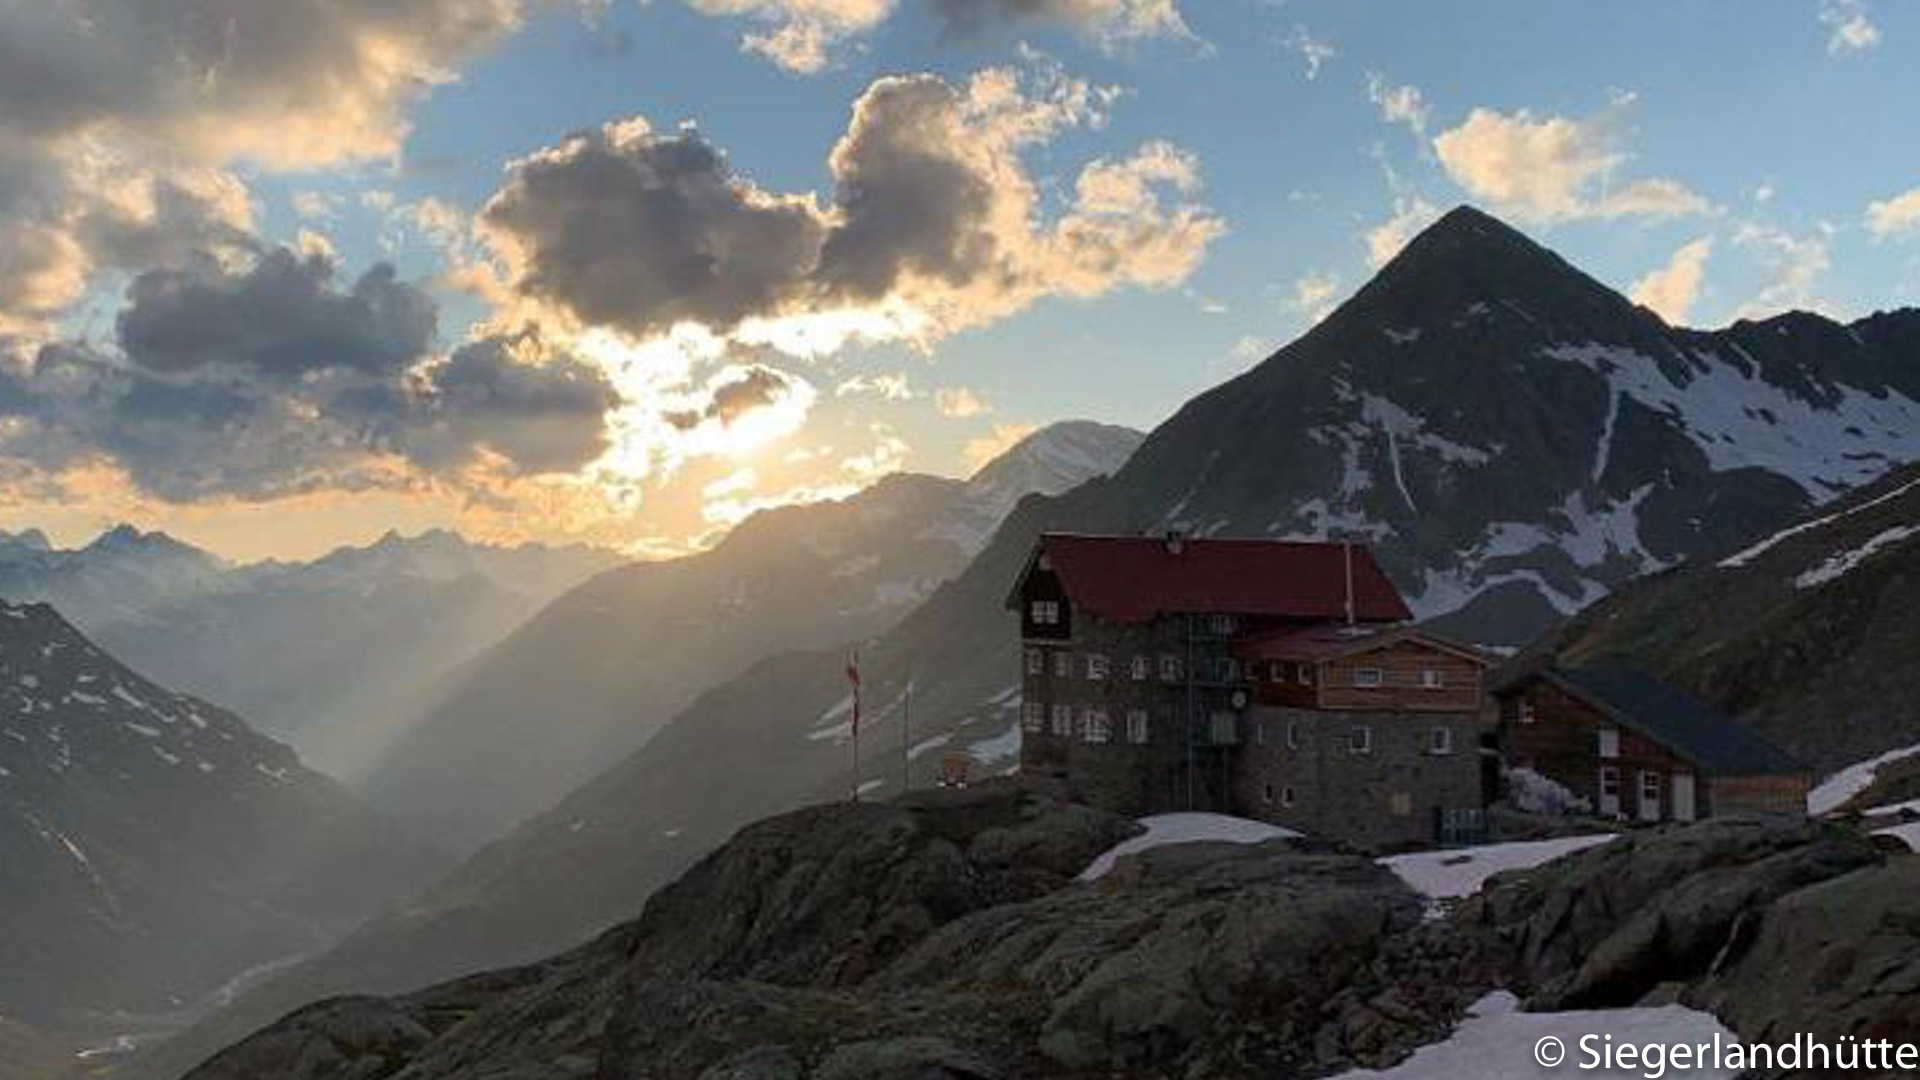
(1045, 613)
(1222, 625)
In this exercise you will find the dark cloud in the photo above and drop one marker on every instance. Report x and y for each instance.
(282, 317)
(624, 227)
(933, 219)
(288, 404)
(756, 388)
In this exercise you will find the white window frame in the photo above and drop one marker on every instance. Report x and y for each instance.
(1303, 673)
(1440, 741)
(1036, 662)
(1223, 728)
(1608, 743)
(1045, 613)
(1524, 711)
(1033, 717)
(1141, 669)
(1063, 665)
(1138, 730)
(1369, 678)
(1095, 727)
(1096, 667)
(1259, 732)
(1169, 668)
(1063, 721)
(1293, 734)
(1432, 679)
(1221, 624)
(1360, 739)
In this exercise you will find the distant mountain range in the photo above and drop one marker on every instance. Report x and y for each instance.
(324, 653)
(1810, 633)
(152, 844)
(1512, 437)
(591, 677)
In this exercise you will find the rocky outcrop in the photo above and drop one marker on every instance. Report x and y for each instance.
(1611, 925)
(946, 937)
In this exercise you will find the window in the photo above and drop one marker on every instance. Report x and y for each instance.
(1046, 613)
(1360, 739)
(1276, 671)
(1609, 742)
(1063, 720)
(1259, 732)
(1033, 716)
(1095, 728)
(1221, 624)
(1170, 668)
(1293, 734)
(1036, 662)
(1266, 793)
(1369, 677)
(1062, 664)
(1139, 669)
(1523, 710)
(1229, 669)
(1440, 741)
(1096, 666)
(1649, 788)
(1430, 679)
(1609, 789)
(1137, 726)
(1286, 796)
(1224, 729)
(1400, 804)
(1303, 673)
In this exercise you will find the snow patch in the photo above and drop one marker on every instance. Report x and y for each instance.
(1838, 566)
(1186, 828)
(1496, 1041)
(1839, 789)
(1459, 873)
(1747, 555)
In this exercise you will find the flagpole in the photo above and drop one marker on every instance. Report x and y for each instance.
(853, 675)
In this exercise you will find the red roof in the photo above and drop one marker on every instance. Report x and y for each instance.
(1135, 578)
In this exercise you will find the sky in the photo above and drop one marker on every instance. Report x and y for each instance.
(278, 275)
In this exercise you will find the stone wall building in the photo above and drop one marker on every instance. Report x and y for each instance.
(1163, 674)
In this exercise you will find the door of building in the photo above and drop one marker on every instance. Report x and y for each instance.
(1609, 791)
(1683, 807)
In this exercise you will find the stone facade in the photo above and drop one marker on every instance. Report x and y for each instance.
(1379, 779)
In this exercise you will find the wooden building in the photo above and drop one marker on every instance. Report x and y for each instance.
(1637, 749)
(1152, 681)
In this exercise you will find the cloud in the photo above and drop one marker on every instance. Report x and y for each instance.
(1398, 104)
(1671, 290)
(1314, 52)
(1411, 214)
(888, 387)
(116, 115)
(1894, 215)
(934, 223)
(959, 402)
(728, 401)
(801, 36)
(1004, 437)
(281, 318)
(1849, 28)
(1551, 169)
(274, 379)
(1313, 295)
(1795, 265)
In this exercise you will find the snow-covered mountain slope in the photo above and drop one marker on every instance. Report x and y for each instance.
(592, 676)
(323, 653)
(152, 844)
(1809, 632)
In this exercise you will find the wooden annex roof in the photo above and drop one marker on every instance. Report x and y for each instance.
(1136, 578)
(1335, 641)
(1679, 721)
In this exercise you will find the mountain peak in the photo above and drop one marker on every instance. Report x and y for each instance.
(1470, 260)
